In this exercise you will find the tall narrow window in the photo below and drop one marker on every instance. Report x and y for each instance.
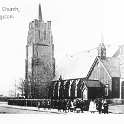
(39, 34)
(44, 34)
(106, 90)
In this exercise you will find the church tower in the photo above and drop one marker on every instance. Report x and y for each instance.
(102, 51)
(40, 61)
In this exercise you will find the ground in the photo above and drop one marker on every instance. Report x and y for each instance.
(116, 109)
(9, 109)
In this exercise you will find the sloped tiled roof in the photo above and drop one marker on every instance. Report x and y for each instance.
(93, 83)
(120, 51)
(112, 65)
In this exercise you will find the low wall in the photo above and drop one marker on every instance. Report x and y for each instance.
(28, 102)
(49, 103)
(115, 101)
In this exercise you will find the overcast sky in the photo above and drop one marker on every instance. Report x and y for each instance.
(76, 26)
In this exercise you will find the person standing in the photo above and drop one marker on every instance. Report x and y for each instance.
(105, 106)
(92, 106)
(72, 106)
(38, 105)
(99, 106)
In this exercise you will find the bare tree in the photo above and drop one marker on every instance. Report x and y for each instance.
(21, 86)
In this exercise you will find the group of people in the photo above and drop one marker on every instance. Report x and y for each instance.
(77, 105)
(99, 105)
(66, 105)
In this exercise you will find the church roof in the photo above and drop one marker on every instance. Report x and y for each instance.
(112, 65)
(93, 83)
(120, 51)
(82, 65)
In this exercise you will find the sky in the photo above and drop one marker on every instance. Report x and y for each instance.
(77, 26)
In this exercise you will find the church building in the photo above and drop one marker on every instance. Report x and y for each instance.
(109, 71)
(104, 78)
(40, 61)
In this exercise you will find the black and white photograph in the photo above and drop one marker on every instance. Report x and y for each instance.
(62, 58)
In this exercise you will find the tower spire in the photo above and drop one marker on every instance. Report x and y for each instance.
(102, 48)
(40, 13)
(102, 38)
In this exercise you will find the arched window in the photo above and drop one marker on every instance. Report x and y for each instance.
(44, 34)
(39, 34)
(106, 89)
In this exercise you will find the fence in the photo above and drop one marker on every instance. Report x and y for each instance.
(49, 103)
